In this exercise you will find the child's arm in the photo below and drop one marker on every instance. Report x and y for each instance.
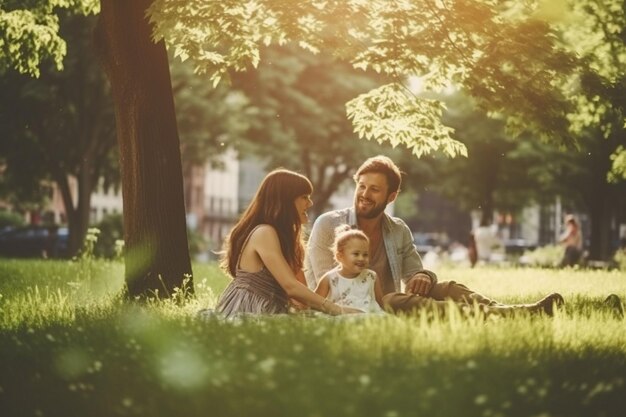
(323, 287)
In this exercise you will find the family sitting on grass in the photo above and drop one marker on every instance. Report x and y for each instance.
(356, 260)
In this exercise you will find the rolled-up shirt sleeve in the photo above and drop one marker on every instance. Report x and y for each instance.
(319, 254)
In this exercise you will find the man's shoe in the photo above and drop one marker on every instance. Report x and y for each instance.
(615, 304)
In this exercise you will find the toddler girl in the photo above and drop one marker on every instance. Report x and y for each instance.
(351, 284)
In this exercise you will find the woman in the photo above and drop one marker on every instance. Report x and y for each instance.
(572, 239)
(264, 252)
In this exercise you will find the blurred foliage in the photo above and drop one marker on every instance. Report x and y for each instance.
(501, 173)
(209, 119)
(596, 32)
(111, 229)
(298, 112)
(197, 243)
(505, 57)
(9, 219)
(29, 32)
(61, 124)
(546, 256)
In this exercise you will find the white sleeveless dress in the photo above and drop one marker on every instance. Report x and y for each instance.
(357, 292)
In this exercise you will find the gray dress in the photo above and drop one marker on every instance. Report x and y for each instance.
(252, 293)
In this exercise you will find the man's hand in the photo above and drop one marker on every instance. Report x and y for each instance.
(419, 284)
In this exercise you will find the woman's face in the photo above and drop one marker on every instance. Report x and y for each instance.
(303, 203)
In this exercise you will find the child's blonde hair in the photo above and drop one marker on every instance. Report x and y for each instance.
(343, 234)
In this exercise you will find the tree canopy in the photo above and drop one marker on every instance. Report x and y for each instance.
(29, 32)
(503, 54)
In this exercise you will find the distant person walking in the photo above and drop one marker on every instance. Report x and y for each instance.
(572, 240)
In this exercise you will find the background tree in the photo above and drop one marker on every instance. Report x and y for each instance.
(155, 233)
(501, 172)
(596, 32)
(60, 125)
(299, 100)
(210, 120)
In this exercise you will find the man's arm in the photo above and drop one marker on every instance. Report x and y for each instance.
(417, 280)
(319, 255)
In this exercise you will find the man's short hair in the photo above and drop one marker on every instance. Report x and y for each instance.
(381, 164)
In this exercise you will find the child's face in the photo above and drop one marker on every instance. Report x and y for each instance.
(354, 257)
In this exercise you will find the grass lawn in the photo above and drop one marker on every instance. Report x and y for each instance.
(70, 347)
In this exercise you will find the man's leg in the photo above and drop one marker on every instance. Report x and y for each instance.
(398, 302)
(459, 293)
(450, 290)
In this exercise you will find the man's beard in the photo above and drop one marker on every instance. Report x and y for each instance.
(370, 213)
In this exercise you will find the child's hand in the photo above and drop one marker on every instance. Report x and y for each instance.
(297, 305)
(350, 310)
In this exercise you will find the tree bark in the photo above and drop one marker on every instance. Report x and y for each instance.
(157, 254)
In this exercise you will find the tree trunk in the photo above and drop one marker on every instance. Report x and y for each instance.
(155, 233)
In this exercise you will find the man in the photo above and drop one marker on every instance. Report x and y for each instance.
(393, 255)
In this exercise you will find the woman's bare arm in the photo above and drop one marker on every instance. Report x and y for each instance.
(264, 241)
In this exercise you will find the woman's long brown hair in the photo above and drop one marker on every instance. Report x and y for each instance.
(274, 205)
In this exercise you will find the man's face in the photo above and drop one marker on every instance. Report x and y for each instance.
(372, 195)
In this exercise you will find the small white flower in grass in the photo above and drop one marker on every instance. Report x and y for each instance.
(319, 331)
(127, 402)
(481, 399)
(72, 363)
(97, 366)
(267, 365)
(365, 380)
(183, 369)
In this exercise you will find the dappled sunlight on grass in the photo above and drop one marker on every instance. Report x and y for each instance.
(523, 285)
(79, 350)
